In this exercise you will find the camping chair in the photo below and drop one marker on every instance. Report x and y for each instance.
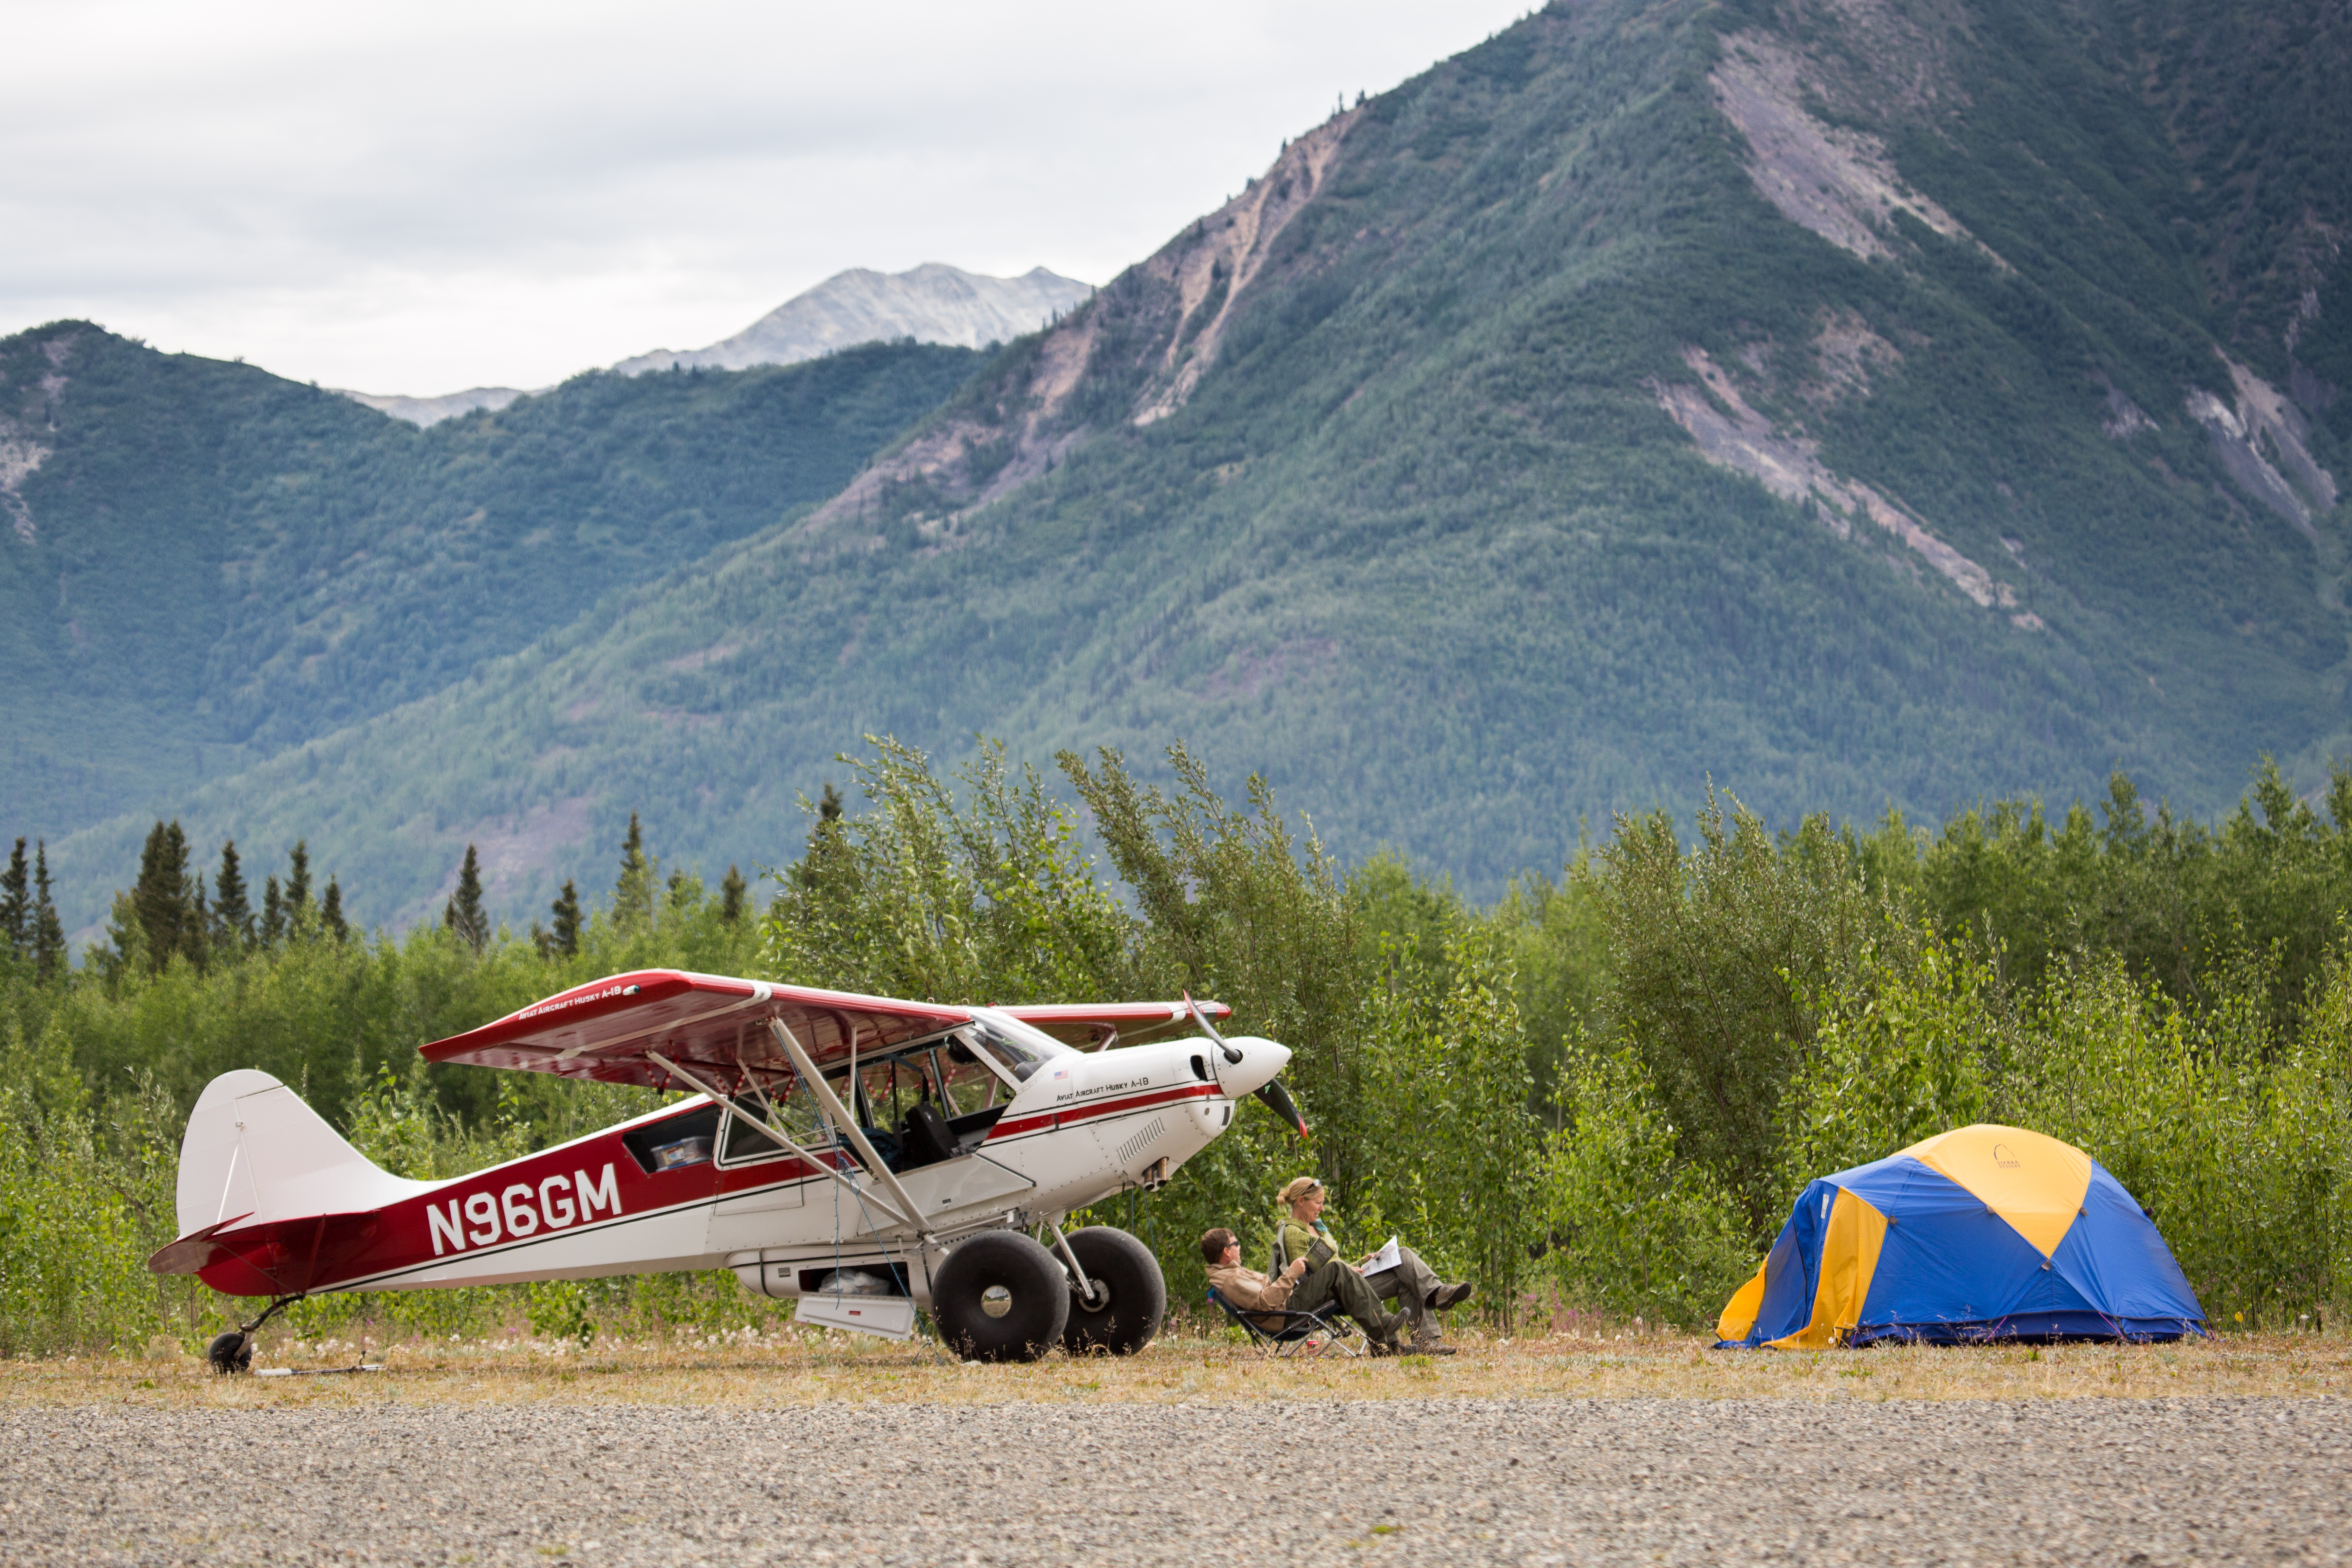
(1297, 1328)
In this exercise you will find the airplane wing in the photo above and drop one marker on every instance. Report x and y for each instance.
(1089, 1024)
(711, 1025)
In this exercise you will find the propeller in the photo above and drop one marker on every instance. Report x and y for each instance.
(1232, 1055)
(1277, 1100)
(1275, 1097)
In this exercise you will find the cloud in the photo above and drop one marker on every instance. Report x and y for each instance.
(434, 196)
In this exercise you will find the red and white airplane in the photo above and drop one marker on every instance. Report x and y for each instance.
(869, 1156)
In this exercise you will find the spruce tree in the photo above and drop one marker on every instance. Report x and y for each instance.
(297, 887)
(196, 930)
(331, 911)
(633, 895)
(160, 900)
(125, 936)
(16, 907)
(49, 934)
(463, 914)
(273, 913)
(232, 911)
(730, 897)
(824, 841)
(566, 909)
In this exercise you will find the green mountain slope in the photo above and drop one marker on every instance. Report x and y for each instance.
(1861, 405)
(207, 563)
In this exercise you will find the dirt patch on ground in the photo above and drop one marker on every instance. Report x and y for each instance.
(1249, 672)
(511, 847)
(1846, 354)
(703, 656)
(793, 1366)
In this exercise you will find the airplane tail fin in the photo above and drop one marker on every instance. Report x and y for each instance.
(254, 1151)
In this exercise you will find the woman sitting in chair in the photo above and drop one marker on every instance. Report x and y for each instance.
(1298, 1289)
(1412, 1284)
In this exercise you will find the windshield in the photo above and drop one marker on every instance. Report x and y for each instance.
(1013, 1044)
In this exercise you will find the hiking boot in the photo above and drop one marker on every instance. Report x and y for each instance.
(1383, 1347)
(1450, 1296)
(1428, 1343)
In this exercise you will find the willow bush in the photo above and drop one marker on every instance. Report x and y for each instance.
(2233, 1134)
(82, 1205)
(1451, 1155)
(1631, 1227)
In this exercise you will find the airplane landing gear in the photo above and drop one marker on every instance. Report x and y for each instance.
(1001, 1297)
(1130, 1296)
(233, 1351)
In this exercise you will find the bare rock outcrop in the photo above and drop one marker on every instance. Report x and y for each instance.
(1733, 434)
(1836, 181)
(1133, 353)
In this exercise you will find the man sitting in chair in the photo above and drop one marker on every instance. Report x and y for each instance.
(1300, 1289)
(1412, 1284)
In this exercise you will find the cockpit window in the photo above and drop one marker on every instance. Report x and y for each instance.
(1012, 1045)
(892, 1086)
(795, 1113)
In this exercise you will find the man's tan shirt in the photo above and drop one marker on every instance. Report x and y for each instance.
(1246, 1289)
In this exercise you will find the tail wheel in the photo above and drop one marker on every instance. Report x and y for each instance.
(231, 1352)
(1001, 1297)
(1130, 1294)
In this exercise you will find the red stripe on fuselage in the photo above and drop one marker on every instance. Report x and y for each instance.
(1067, 1115)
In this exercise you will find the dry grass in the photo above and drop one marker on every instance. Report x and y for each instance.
(796, 1367)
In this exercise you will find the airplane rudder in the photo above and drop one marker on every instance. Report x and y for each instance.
(214, 1176)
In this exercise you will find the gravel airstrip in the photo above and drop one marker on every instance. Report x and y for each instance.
(1277, 1467)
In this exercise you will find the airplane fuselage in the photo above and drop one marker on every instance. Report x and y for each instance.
(682, 1189)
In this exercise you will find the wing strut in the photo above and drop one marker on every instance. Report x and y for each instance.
(767, 1124)
(847, 1124)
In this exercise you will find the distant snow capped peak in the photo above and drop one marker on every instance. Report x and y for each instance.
(934, 303)
(433, 410)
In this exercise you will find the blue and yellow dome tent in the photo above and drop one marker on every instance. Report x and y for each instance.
(1982, 1233)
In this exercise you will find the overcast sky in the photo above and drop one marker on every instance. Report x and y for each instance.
(424, 196)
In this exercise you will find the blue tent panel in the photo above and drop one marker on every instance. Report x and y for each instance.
(2117, 1259)
(1793, 1269)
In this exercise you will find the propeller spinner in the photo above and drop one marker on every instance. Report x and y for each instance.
(1275, 1097)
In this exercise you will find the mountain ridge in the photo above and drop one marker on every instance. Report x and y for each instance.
(932, 303)
(1541, 464)
(208, 563)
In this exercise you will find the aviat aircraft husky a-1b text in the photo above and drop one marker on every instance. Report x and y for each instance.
(869, 1156)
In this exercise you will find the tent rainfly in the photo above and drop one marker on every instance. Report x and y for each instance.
(1981, 1233)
